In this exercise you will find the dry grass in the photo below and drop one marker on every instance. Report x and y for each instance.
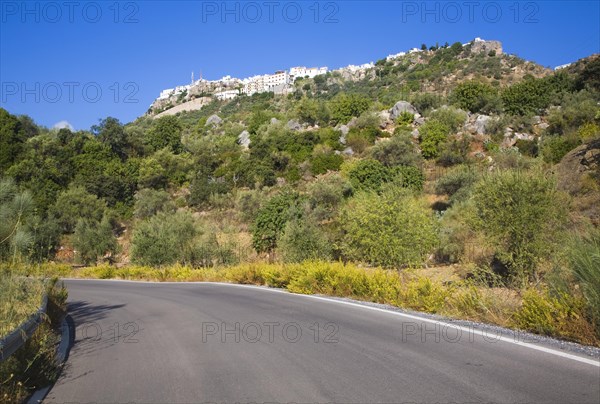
(19, 299)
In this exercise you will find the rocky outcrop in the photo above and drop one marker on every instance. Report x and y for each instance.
(579, 174)
(244, 139)
(294, 125)
(214, 120)
(400, 107)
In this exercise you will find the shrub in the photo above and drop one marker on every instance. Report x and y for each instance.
(527, 147)
(584, 259)
(432, 134)
(76, 203)
(473, 96)
(163, 239)
(399, 150)
(451, 117)
(92, 240)
(409, 177)
(271, 220)
(529, 96)
(326, 194)
(324, 160)
(521, 215)
(303, 240)
(405, 118)
(456, 184)
(148, 202)
(345, 106)
(369, 174)
(392, 229)
(554, 148)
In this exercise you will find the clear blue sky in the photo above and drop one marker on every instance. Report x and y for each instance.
(54, 57)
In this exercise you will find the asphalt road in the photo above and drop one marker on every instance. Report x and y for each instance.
(195, 343)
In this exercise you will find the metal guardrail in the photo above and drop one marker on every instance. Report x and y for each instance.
(14, 340)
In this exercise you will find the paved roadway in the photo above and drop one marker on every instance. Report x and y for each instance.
(195, 343)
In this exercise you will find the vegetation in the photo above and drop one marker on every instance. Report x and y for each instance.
(328, 176)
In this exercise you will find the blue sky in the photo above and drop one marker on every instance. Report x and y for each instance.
(82, 61)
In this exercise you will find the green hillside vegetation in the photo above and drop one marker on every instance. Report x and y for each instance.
(465, 200)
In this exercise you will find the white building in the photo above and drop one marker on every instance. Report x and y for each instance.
(562, 66)
(227, 95)
(310, 72)
(164, 94)
(397, 55)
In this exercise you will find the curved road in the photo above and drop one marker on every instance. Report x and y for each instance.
(196, 343)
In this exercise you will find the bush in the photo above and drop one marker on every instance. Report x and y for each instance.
(149, 202)
(324, 160)
(392, 229)
(584, 259)
(76, 203)
(474, 96)
(369, 175)
(529, 96)
(554, 148)
(456, 184)
(451, 117)
(271, 220)
(409, 177)
(345, 106)
(92, 240)
(432, 134)
(399, 150)
(521, 214)
(405, 118)
(163, 239)
(303, 240)
(326, 194)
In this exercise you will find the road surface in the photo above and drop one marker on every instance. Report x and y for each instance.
(196, 343)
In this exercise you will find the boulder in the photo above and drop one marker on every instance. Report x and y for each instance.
(244, 139)
(402, 106)
(214, 120)
(480, 124)
(294, 125)
(274, 121)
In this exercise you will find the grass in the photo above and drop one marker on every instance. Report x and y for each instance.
(34, 364)
(536, 310)
(19, 299)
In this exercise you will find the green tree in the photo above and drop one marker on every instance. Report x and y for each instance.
(271, 220)
(345, 106)
(521, 215)
(302, 240)
(166, 132)
(93, 240)
(471, 95)
(432, 134)
(74, 204)
(163, 239)
(391, 229)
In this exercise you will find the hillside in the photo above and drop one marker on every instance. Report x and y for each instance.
(471, 169)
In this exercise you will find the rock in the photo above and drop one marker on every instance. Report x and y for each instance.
(536, 120)
(294, 125)
(419, 121)
(543, 126)
(402, 106)
(344, 129)
(523, 136)
(415, 133)
(352, 122)
(480, 124)
(348, 151)
(384, 119)
(274, 121)
(214, 120)
(244, 139)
